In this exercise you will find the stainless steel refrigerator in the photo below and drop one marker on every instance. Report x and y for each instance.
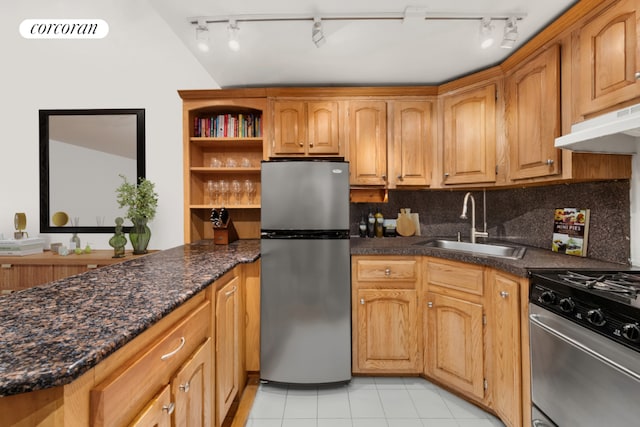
(305, 329)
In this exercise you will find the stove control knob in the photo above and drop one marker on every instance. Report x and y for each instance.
(595, 317)
(631, 331)
(567, 305)
(548, 297)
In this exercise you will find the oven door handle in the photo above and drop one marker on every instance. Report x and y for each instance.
(535, 319)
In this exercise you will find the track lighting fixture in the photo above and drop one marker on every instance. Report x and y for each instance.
(232, 29)
(202, 35)
(486, 33)
(317, 34)
(510, 33)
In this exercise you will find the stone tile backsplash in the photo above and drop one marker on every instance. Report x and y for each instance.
(521, 215)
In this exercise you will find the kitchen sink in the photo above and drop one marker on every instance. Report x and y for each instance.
(488, 249)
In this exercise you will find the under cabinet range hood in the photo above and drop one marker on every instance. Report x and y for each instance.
(617, 132)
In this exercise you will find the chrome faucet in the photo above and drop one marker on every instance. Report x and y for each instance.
(474, 233)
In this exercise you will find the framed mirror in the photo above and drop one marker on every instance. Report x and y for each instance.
(82, 155)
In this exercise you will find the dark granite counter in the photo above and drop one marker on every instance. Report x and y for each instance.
(52, 334)
(533, 258)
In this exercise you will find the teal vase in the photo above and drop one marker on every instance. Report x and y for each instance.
(140, 234)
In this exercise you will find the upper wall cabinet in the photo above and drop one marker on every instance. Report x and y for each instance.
(607, 58)
(367, 126)
(306, 128)
(412, 142)
(469, 136)
(533, 116)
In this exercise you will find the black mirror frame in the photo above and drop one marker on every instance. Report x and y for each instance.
(45, 214)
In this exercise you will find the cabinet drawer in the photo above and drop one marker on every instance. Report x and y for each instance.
(453, 275)
(386, 269)
(116, 400)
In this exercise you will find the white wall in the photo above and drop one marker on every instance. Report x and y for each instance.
(140, 64)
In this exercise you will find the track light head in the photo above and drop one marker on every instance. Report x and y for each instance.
(486, 33)
(232, 29)
(202, 35)
(317, 34)
(510, 33)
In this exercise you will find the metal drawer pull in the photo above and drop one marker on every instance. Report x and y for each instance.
(361, 301)
(504, 294)
(172, 353)
(169, 408)
(184, 387)
(231, 292)
(387, 272)
(430, 304)
(539, 423)
(549, 162)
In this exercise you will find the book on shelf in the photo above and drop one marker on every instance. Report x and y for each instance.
(228, 126)
(571, 231)
(28, 246)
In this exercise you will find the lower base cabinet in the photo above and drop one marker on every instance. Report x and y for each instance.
(456, 323)
(186, 400)
(454, 351)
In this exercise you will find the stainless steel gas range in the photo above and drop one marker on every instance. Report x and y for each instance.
(585, 348)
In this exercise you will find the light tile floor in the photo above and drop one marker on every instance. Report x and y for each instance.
(366, 402)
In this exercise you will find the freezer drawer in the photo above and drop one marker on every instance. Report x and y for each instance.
(305, 311)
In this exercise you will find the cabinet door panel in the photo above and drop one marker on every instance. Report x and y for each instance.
(227, 347)
(368, 142)
(455, 350)
(191, 389)
(323, 127)
(412, 143)
(470, 136)
(533, 116)
(504, 325)
(387, 330)
(289, 128)
(608, 58)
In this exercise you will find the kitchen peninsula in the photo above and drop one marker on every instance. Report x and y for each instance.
(63, 339)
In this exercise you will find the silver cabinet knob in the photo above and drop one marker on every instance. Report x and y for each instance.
(361, 301)
(446, 174)
(430, 304)
(504, 294)
(637, 75)
(400, 177)
(549, 162)
(387, 272)
(384, 177)
(184, 387)
(169, 408)
(301, 144)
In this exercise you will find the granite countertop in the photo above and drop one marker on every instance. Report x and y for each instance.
(52, 334)
(534, 258)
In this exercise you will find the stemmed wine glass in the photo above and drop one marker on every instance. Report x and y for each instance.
(213, 188)
(224, 191)
(236, 189)
(250, 189)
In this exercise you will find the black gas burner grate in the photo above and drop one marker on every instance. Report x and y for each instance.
(619, 283)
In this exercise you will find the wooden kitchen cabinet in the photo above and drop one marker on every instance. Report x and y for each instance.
(412, 143)
(385, 332)
(607, 58)
(504, 311)
(367, 130)
(469, 136)
(182, 351)
(186, 401)
(227, 347)
(223, 135)
(533, 116)
(306, 128)
(22, 272)
(453, 325)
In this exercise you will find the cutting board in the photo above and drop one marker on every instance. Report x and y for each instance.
(405, 225)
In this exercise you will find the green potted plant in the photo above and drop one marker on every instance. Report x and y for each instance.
(141, 201)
